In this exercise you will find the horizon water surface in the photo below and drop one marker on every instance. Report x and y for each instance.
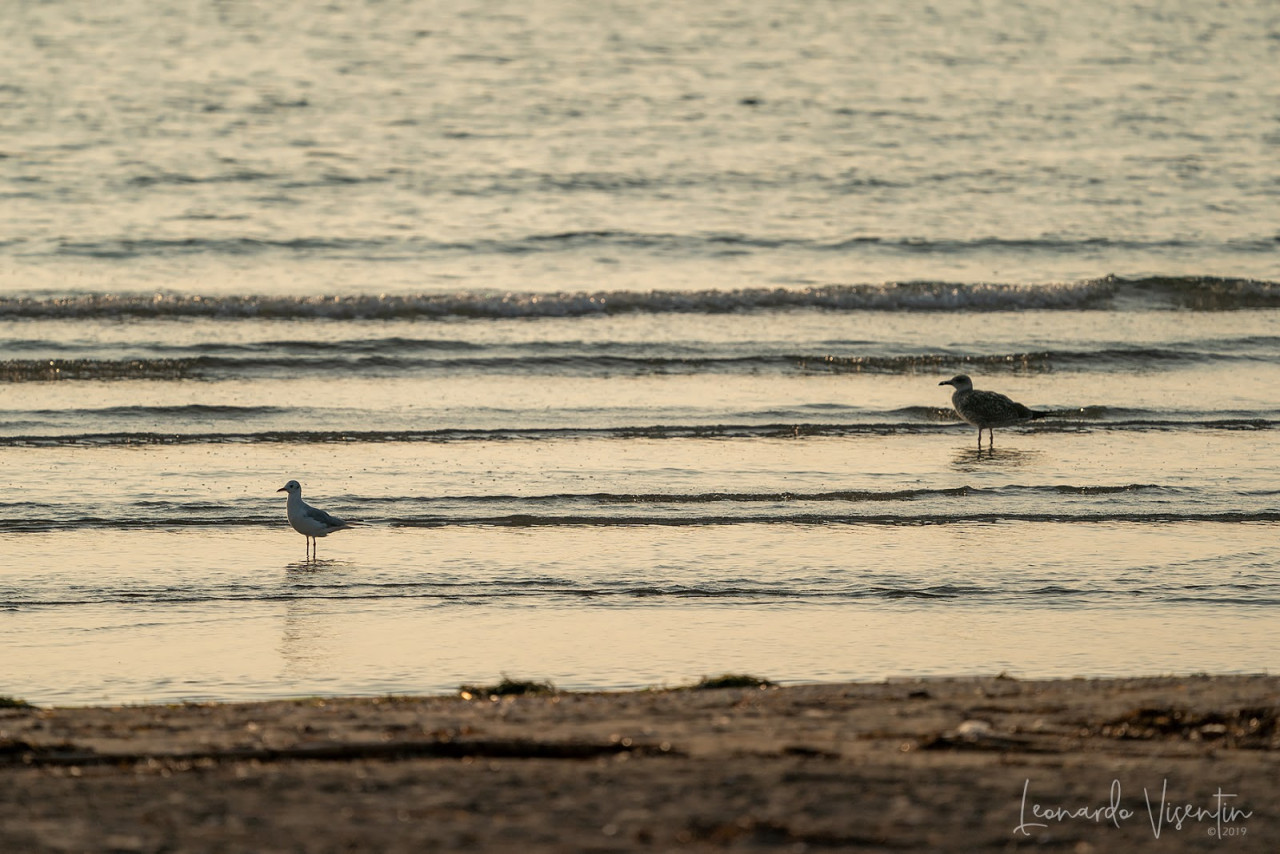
(620, 326)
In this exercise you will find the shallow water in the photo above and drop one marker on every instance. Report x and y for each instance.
(628, 354)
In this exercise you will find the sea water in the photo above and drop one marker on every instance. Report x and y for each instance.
(620, 326)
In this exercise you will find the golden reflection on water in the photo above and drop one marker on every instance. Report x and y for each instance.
(128, 614)
(974, 459)
(306, 639)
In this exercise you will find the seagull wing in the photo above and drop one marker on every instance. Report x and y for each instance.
(990, 407)
(324, 518)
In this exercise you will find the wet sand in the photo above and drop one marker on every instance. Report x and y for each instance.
(939, 765)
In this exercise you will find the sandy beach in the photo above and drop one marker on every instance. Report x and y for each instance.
(1160, 764)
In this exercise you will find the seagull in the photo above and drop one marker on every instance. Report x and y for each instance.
(310, 522)
(986, 409)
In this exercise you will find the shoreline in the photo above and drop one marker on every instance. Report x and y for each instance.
(941, 764)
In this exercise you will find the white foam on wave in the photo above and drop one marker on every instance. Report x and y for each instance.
(1109, 293)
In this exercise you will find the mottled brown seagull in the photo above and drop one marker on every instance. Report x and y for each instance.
(986, 410)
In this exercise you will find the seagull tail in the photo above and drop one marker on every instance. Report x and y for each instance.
(1037, 413)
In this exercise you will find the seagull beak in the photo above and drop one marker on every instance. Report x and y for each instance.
(282, 489)
(945, 382)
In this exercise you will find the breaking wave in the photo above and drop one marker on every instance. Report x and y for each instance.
(398, 356)
(1111, 293)
(917, 421)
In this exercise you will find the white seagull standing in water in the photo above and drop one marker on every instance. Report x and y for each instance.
(986, 409)
(310, 522)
